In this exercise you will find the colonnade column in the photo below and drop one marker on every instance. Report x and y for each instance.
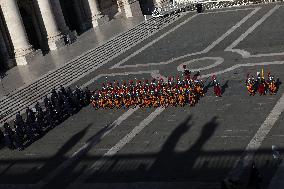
(54, 37)
(59, 16)
(160, 3)
(131, 8)
(4, 54)
(95, 16)
(21, 46)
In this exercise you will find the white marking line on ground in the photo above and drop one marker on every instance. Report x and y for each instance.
(153, 42)
(256, 141)
(84, 149)
(100, 163)
(243, 65)
(206, 50)
(103, 63)
(244, 53)
(81, 151)
(218, 61)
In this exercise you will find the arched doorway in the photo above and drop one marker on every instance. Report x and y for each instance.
(30, 28)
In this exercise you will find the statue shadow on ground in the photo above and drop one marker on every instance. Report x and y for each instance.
(59, 157)
(35, 175)
(168, 166)
(278, 83)
(66, 176)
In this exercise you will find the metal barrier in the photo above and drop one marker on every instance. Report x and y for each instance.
(190, 5)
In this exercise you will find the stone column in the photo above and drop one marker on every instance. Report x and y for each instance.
(61, 21)
(4, 54)
(59, 16)
(16, 29)
(132, 8)
(55, 39)
(95, 16)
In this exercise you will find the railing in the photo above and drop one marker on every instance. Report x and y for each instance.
(190, 5)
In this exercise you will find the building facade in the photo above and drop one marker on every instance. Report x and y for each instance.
(31, 27)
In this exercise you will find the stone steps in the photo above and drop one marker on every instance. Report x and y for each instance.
(79, 67)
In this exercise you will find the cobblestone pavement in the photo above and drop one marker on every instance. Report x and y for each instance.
(190, 147)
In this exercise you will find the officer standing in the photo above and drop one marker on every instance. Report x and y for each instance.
(8, 136)
(47, 102)
(18, 141)
(88, 96)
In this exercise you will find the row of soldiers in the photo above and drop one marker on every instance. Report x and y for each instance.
(37, 121)
(261, 85)
(156, 93)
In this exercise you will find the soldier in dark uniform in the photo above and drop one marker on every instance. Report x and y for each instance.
(19, 129)
(30, 114)
(54, 97)
(30, 129)
(60, 104)
(19, 121)
(1, 136)
(63, 91)
(8, 136)
(40, 117)
(69, 92)
(18, 140)
(75, 102)
(199, 8)
(49, 115)
(47, 102)
(79, 95)
(68, 107)
(88, 96)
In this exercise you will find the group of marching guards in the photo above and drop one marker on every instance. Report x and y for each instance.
(63, 103)
(157, 93)
(37, 121)
(261, 85)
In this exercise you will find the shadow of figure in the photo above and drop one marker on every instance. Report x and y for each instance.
(172, 166)
(206, 87)
(224, 87)
(66, 176)
(59, 157)
(278, 83)
(167, 154)
(190, 157)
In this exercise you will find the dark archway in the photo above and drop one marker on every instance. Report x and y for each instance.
(147, 6)
(6, 47)
(69, 14)
(30, 28)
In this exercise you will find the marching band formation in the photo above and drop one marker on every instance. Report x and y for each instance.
(261, 85)
(156, 93)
